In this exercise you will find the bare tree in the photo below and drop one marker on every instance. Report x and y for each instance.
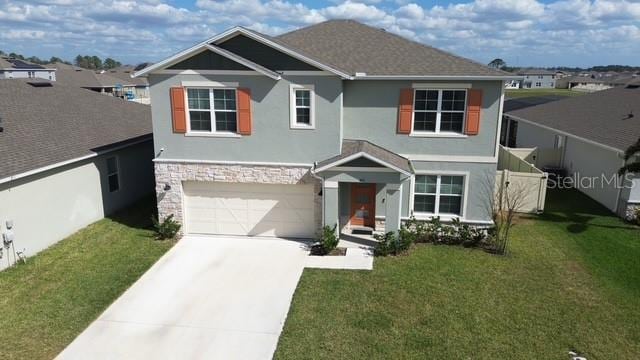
(504, 199)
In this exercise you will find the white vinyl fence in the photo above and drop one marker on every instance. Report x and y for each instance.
(518, 176)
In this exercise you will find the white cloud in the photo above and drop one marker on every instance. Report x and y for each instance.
(523, 32)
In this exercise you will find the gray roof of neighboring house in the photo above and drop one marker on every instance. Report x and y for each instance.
(601, 116)
(353, 47)
(49, 125)
(532, 71)
(124, 74)
(6, 63)
(351, 147)
(76, 76)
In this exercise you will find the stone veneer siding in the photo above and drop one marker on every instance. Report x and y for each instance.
(175, 173)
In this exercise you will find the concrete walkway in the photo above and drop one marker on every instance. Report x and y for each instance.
(207, 298)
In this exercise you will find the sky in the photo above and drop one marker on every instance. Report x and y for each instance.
(521, 32)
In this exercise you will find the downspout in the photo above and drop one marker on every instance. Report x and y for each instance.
(313, 173)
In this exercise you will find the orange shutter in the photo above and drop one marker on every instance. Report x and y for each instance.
(405, 111)
(474, 107)
(244, 111)
(178, 114)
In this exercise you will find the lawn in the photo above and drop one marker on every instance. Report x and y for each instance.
(47, 302)
(570, 281)
(520, 93)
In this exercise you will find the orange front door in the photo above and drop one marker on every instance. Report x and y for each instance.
(363, 204)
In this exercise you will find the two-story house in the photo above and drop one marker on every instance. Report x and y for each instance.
(538, 79)
(336, 123)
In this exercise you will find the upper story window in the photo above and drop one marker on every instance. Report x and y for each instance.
(438, 194)
(302, 107)
(212, 110)
(439, 111)
(540, 76)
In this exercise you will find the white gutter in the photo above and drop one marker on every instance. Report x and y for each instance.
(607, 147)
(67, 162)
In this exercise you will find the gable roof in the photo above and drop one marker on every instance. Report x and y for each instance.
(79, 77)
(53, 124)
(359, 48)
(601, 117)
(8, 63)
(349, 49)
(354, 149)
(228, 34)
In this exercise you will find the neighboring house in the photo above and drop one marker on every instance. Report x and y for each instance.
(513, 84)
(582, 83)
(69, 157)
(538, 79)
(336, 123)
(116, 82)
(11, 68)
(586, 136)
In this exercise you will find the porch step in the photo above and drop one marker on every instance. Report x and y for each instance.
(362, 230)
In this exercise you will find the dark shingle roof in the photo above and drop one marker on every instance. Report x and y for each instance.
(351, 147)
(601, 116)
(354, 47)
(48, 125)
(532, 71)
(76, 76)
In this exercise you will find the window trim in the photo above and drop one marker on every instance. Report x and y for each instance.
(444, 216)
(212, 111)
(438, 111)
(293, 124)
(117, 173)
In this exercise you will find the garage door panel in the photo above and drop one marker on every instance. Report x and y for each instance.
(249, 209)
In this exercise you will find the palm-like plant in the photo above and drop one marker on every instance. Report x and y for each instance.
(632, 151)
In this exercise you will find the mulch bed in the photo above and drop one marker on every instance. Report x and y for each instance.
(317, 250)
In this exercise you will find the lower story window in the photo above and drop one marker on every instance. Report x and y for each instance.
(113, 174)
(438, 194)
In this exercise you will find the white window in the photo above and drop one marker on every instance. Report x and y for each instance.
(113, 174)
(302, 99)
(31, 74)
(438, 194)
(538, 84)
(212, 110)
(439, 111)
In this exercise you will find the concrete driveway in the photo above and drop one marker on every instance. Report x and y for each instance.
(207, 298)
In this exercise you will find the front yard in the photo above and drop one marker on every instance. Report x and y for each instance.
(46, 303)
(571, 281)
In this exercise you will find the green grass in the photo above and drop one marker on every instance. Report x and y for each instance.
(521, 93)
(47, 302)
(570, 281)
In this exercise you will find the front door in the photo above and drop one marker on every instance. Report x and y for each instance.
(363, 204)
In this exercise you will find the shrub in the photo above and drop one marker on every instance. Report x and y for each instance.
(328, 239)
(167, 228)
(636, 215)
(392, 244)
(433, 230)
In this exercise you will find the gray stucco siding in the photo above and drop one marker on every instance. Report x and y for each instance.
(272, 139)
(48, 206)
(479, 181)
(371, 113)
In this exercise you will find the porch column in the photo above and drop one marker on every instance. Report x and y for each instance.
(392, 207)
(330, 203)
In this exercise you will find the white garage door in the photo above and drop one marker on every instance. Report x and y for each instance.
(249, 209)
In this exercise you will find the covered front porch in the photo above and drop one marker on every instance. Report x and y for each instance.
(362, 188)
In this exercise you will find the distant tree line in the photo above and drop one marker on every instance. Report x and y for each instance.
(84, 61)
(95, 63)
(34, 59)
(502, 65)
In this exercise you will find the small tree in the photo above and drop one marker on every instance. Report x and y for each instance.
(632, 153)
(504, 200)
(497, 63)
